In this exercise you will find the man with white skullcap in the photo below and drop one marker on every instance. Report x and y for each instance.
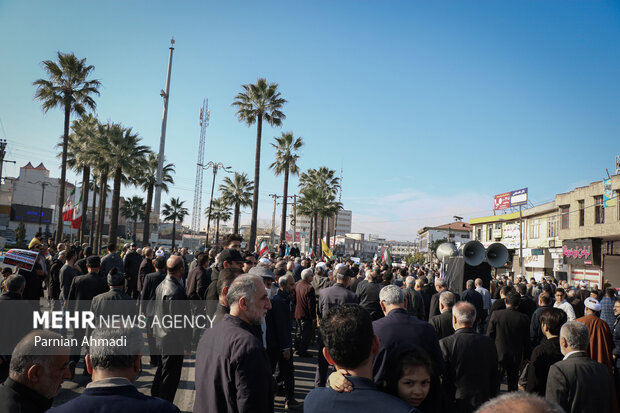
(601, 343)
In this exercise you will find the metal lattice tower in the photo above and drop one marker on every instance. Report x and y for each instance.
(196, 212)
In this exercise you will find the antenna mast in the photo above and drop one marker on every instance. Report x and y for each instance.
(204, 122)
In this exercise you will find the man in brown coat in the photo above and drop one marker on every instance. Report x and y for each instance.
(305, 311)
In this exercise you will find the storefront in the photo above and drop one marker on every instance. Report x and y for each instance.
(583, 257)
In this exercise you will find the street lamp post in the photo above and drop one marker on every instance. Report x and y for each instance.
(43, 185)
(215, 166)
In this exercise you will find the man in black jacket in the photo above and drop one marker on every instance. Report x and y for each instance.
(111, 302)
(536, 335)
(368, 295)
(147, 295)
(510, 329)
(173, 343)
(578, 383)
(146, 267)
(441, 285)
(470, 362)
(443, 323)
(233, 372)
(131, 267)
(35, 375)
(548, 352)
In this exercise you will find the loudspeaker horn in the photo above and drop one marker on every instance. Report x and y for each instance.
(473, 253)
(497, 255)
(446, 250)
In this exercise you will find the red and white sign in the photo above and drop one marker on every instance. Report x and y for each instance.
(502, 201)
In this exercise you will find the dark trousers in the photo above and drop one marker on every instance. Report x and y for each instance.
(131, 287)
(511, 369)
(167, 377)
(304, 334)
(320, 377)
(286, 371)
(152, 343)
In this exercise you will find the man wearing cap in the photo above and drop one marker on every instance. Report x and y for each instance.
(601, 342)
(228, 258)
(131, 267)
(104, 303)
(320, 279)
(294, 252)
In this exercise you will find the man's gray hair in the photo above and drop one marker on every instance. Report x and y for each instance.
(392, 295)
(464, 312)
(419, 283)
(26, 353)
(284, 279)
(469, 284)
(525, 401)
(576, 335)
(305, 274)
(441, 282)
(447, 299)
(15, 282)
(409, 281)
(243, 286)
(105, 356)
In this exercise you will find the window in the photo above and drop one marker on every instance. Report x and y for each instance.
(582, 212)
(534, 229)
(599, 210)
(498, 225)
(479, 232)
(564, 212)
(552, 226)
(490, 232)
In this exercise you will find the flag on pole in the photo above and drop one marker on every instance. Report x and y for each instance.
(326, 251)
(386, 257)
(310, 253)
(287, 251)
(67, 208)
(76, 222)
(263, 248)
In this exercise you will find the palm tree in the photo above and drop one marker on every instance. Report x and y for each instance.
(81, 153)
(133, 209)
(220, 211)
(237, 192)
(93, 222)
(175, 211)
(286, 163)
(257, 102)
(147, 182)
(126, 158)
(101, 169)
(68, 88)
(309, 205)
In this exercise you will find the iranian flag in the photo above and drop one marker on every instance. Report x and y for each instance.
(263, 248)
(67, 208)
(386, 257)
(76, 222)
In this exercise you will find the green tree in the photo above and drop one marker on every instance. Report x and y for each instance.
(437, 243)
(237, 192)
(20, 234)
(81, 154)
(220, 211)
(175, 211)
(67, 87)
(309, 204)
(127, 159)
(147, 182)
(257, 102)
(133, 209)
(286, 163)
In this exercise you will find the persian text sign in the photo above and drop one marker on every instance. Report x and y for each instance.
(502, 201)
(608, 195)
(584, 251)
(518, 197)
(21, 258)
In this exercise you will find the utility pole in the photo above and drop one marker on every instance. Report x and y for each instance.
(216, 166)
(2, 154)
(162, 141)
(295, 218)
(273, 219)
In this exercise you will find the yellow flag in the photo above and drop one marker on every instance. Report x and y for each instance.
(326, 251)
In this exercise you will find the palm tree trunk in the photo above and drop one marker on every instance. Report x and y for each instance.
(174, 228)
(101, 214)
(135, 228)
(146, 236)
(284, 204)
(254, 221)
(311, 228)
(217, 233)
(322, 228)
(93, 223)
(116, 199)
(84, 206)
(316, 227)
(63, 175)
(236, 218)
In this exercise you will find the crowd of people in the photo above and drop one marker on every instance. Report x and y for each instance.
(397, 338)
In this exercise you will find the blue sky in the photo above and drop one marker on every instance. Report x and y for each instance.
(429, 107)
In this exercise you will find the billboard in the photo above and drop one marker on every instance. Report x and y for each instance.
(510, 199)
(29, 213)
(608, 194)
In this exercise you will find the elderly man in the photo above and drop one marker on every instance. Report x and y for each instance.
(398, 328)
(305, 312)
(441, 285)
(233, 373)
(114, 371)
(601, 342)
(415, 302)
(517, 402)
(170, 299)
(443, 323)
(470, 372)
(36, 373)
(578, 383)
(146, 267)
